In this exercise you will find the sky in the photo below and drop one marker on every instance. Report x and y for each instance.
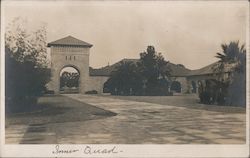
(185, 32)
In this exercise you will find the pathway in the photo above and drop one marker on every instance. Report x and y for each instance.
(135, 123)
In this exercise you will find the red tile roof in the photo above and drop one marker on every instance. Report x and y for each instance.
(69, 41)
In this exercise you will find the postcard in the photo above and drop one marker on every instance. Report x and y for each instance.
(124, 78)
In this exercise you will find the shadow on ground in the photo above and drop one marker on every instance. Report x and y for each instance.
(58, 109)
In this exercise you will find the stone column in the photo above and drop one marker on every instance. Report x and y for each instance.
(197, 87)
(55, 79)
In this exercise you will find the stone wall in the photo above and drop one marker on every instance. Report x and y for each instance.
(96, 83)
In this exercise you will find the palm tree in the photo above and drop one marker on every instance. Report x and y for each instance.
(232, 61)
(233, 56)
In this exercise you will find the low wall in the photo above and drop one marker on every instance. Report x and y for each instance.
(96, 83)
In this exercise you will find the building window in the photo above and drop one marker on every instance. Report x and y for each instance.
(66, 57)
(74, 58)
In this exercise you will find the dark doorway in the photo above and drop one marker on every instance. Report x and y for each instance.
(194, 87)
(106, 88)
(176, 87)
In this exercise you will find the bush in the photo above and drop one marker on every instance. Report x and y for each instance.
(49, 92)
(213, 92)
(91, 92)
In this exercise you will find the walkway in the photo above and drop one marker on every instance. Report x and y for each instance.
(134, 123)
(142, 122)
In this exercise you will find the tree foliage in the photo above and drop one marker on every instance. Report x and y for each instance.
(26, 63)
(26, 45)
(148, 76)
(154, 71)
(69, 79)
(232, 57)
(125, 79)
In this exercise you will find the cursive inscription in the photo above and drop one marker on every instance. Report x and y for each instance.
(63, 151)
(88, 150)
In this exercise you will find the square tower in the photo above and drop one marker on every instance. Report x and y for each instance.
(69, 52)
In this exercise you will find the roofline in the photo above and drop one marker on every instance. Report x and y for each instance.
(73, 45)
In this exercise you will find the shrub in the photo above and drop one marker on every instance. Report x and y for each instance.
(91, 92)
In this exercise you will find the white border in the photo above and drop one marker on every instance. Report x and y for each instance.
(128, 150)
(2, 85)
(248, 79)
(131, 151)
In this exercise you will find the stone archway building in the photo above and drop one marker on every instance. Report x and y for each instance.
(73, 52)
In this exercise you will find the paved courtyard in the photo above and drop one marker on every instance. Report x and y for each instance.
(88, 119)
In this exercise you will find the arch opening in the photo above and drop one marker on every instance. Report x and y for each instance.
(106, 88)
(69, 80)
(176, 87)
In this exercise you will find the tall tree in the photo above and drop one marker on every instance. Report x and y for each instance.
(26, 64)
(154, 70)
(232, 60)
(147, 76)
(26, 45)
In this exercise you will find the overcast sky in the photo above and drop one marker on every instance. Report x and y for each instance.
(188, 33)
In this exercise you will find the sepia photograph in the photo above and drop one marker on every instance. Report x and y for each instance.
(115, 73)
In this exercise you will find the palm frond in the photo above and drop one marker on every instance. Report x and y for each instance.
(224, 48)
(222, 57)
(242, 48)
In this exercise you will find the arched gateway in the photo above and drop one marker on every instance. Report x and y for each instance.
(69, 52)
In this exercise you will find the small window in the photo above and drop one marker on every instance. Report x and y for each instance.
(66, 57)
(74, 58)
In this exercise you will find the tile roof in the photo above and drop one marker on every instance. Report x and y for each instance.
(176, 70)
(210, 69)
(69, 41)
(106, 71)
(204, 70)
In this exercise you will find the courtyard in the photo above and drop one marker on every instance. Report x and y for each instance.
(93, 119)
